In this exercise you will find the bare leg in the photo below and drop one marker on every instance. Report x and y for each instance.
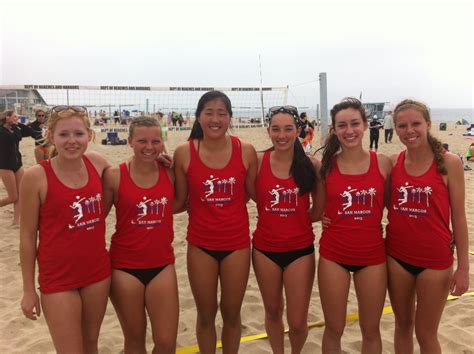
(11, 180)
(234, 274)
(401, 288)
(432, 288)
(63, 314)
(334, 283)
(128, 297)
(371, 288)
(161, 297)
(270, 281)
(94, 303)
(203, 271)
(298, 280)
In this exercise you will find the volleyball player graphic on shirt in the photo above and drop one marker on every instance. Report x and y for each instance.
(362, 203)
(150, 212)
(85, 205)
(415, 197)
(217, 190)
(282, 200)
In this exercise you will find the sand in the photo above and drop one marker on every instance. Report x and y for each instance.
(20, 335)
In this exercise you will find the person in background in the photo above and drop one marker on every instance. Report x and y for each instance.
(388, 127)
(64, 232)
(141, 251)
(427, 195)
(470, 153)
(215, 174)
(283, 242)
(352, 242)
(11, 170)
(38, 132)
(374, 128)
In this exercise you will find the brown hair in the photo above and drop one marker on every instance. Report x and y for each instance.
(144, 121)
(55, 117)
(332, 145)
(435, 144)
(4, 115)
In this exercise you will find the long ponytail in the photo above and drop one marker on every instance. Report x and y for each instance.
(331, 147)
(302, 169)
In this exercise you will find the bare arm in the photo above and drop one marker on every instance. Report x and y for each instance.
(110, 182)
(30, 202)
(460, 281)
(99, 162)
(318, 195)
(251, 162)
(181, 164)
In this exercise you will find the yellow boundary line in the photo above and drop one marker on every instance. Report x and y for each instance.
(351, 317)
(471, 252)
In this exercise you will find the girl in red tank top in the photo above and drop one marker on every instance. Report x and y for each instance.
(283, 243)
(143, 277)
(427, 189)
(64, 201)
(352, 240)
(215, 174)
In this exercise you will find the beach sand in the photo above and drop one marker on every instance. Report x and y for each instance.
(20, 335)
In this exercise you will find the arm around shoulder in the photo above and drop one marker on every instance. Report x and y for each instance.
(181, 159)
(110, 182)
(251, 162)
(99, 161)
(318, 195)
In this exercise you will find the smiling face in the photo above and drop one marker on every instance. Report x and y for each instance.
(349, 128)
(11, 119)
(146, 143)
(412, 128)
(283, 131)
(70, 137)
(40, 116)
(214, 119)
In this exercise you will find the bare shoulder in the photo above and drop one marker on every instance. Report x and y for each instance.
(247, 148)
(316, 162)
(452, 161)
(181, 151)
(385, 161)
(99, 161)
(34, 174)
(393, 158)
(112, 172)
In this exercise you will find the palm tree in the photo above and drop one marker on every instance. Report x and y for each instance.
(358, 197)
(371, 192)
(219, 185)
(152, 205)
(296, 191)
(427, 190)
(284, 196)
(232, 182)
(364, 193)
(87, 205)
(98, 197)
(419, 190)
(224, 182)
(92, 201)
(290, 192)
(413, 192)
(164, 201)
(157, 203)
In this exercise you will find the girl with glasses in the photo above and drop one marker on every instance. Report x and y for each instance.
(283, 242)
(64, 231)
(427, 190)
(352, 242)
(38, 128)
(215, 174)
(143, 276)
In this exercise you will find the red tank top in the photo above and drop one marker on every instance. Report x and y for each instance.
(284, 223)
(144, 228)
(354, 203)
(418, 231)
(71, 250)
(218, 218)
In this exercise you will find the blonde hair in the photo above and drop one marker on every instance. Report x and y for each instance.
(55, 117)
(145, 121)
(435, 144)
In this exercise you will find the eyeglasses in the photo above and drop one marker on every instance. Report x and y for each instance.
(41, 116)
(284, 109)
(78, 109)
